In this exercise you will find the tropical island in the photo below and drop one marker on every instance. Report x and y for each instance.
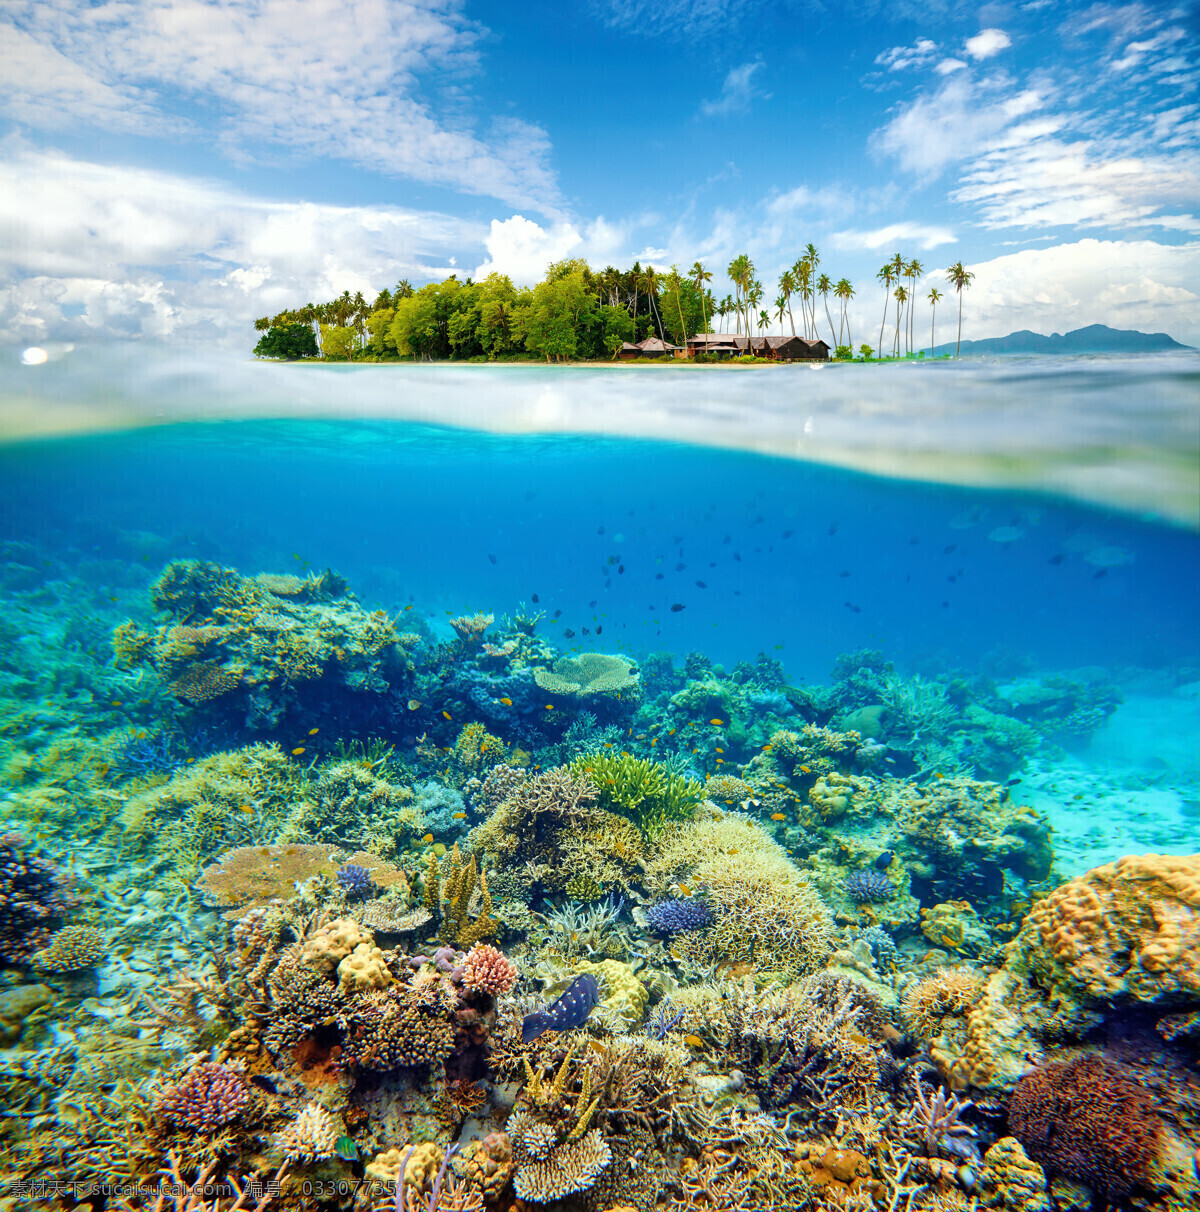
(578, 314)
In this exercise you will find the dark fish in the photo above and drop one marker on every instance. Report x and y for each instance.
(1013, 782)
(676, 607)
(787, 534)
(884, 861)
(832, 528)
(613, 560)
(713, 564)
(737, 556)
(558, 614)
(569, 634)
(913, 542)
(952, 578)
(586, 630)
(620, 569)
(844, 573)
(535, 599)
(851, 606)
(599, 529)
(592, 602)
(945, 605)
(677, 539)
(658, 576)
(608, 582)
(1102, 573)
(264, 1083)
(571, 1010)
(727, 539)
(599, 629)
(1056, 559)
(947, 550)
(701, 585)
(491, 557)
(680, 567)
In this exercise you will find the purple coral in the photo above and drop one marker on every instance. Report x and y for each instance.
(33, 900)
(677, 916)
(869, 885)
(205, 1098)
(355, 880)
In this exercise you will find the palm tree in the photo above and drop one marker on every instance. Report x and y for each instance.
(701, 275)
(764, 322)
(960, 278)
(404, 289)
(813, 258)
(737, 275)
(650, 288)
(754, 294)
(885, 276)
(787, 284)
(901, 298)
(780, 311)
(845, 292)
(913, 271)
(935, 297)
(824, 286)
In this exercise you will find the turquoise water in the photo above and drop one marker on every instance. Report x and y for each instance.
(1005, 554)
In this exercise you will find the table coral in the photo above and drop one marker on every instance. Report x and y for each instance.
(590, 674)
(1125, 932)
(251, 877)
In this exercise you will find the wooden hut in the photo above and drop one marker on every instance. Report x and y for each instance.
(656, 347)
(628, 352)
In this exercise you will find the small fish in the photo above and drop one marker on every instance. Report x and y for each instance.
(459, 816)
(844, 573)
(719, 749)
(413, 704)
(620, 569)
(787, 534)
(715, 721)
(549, 706)
(570, 1010)
(676, 607)
(534, 599)
(884, 861)
(491, 557)
(693, 1041)
(701, 585)
(569, 634)
(591, 604)
(1013, 782)
(680, 567)
(599, 629)
(658, 576)
(408, 607)
(446, 715)
(245, 808)
(506, 701)
(298, 751)
(686, 889)
(767, 748)
(558, 614)
(313, 731)
(346, 1149)
(671, 733)
(1056, 559)
(427, 838)
(264, 1083)
(116, 703)
(778, 816)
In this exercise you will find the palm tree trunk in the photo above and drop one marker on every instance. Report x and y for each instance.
(958, 343)
(932, 320)
(883, 322)
(830, 319)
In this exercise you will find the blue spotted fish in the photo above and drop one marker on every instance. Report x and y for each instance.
(571, 1010)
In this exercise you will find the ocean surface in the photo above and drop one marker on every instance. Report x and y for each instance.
(986, 571)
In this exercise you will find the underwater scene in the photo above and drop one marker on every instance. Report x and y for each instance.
(443, 789)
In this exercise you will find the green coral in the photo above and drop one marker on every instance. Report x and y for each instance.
(583, 886)
(640, 789)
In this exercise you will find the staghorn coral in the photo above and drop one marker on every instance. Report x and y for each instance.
(470, 628)
(675, 916)
(206, 1098)
(72, 949)
(1125, 932)
(728, 789)
(1087, 1120)
(355, 798)
(400, 1027)
(590, 674)
(463, 900)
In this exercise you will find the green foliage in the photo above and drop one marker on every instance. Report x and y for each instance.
(552, 319)
(339, 341)
(641, 790)
(867, 352)
(843, 353)
(288, 341)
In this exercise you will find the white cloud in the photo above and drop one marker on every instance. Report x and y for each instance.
(986, 43)
(923, 235)
(900, 57)
(522, 249)
(323, 79)
(737, 93)
(89, 249)
(1126, 284)
(948, 67)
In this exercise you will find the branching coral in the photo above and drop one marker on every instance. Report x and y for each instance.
(205, 1098)
(949, 992)
(34, 899)
(640, 789)
(1087, 1120)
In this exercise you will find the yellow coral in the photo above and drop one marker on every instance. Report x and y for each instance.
(326, 949)
(1129, 930)
(364, 969)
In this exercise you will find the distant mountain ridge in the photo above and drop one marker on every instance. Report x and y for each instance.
(1095, 338)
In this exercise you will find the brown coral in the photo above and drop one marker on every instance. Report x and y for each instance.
(205, 680)
(1086, 1120)
(252, 876)
(949, 991)
(486, 969)
(72, 949)
(1129, 930)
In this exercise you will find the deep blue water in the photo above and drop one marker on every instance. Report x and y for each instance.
(798, 560)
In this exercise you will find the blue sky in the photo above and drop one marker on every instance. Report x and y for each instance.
(172, 168)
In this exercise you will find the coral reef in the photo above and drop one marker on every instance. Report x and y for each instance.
(35, 897)
(206, 1098)
(72, 949)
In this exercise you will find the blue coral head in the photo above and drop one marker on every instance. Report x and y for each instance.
(677, 916)
(355, 880)
(869, 885)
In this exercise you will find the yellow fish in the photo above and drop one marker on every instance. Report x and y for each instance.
(654, 742)
(408, 607)
(778, 816)
(459, 816)
(298, 751)
(716, 721)
(671, 733)
(694, 1041)
(549, 706)
(507, 702)
(446, 715)
(313, 731)
(720, 761)
(116, 702)
(427, 838)
(413, 704)
(685, 889)
(767, 748)
(719, 749)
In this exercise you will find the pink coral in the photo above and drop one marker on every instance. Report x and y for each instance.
(205, 1098)
(487, 969)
